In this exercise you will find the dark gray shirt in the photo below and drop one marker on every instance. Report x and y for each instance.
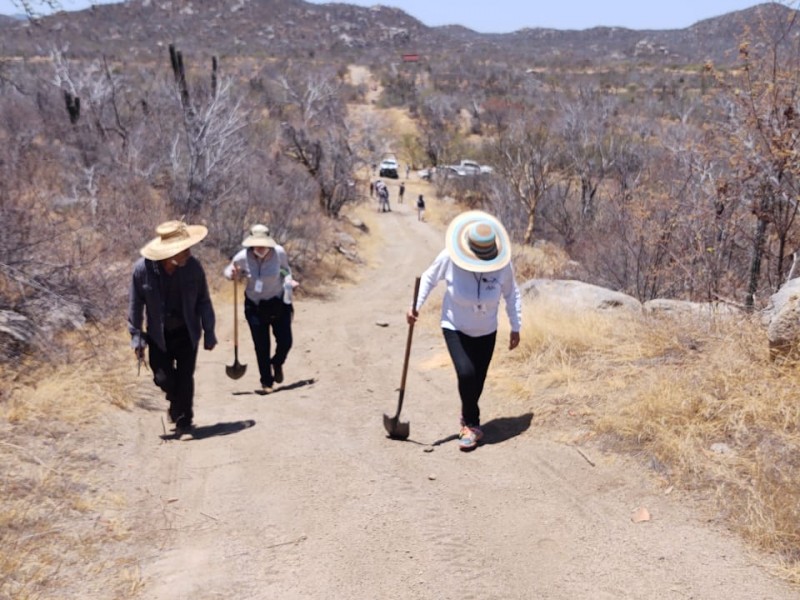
(147, 297)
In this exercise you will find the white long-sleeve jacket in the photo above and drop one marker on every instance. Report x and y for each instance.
(471, 300)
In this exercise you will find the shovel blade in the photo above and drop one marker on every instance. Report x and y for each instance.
(396, 429)
(236, 370)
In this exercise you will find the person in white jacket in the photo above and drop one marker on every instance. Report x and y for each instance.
(267, 300)
(476, 266)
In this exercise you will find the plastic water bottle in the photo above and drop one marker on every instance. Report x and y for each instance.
(287, 287)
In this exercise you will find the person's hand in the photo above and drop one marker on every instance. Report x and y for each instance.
(139, 353)
(513, 340)
(236, 272)
(412, 316)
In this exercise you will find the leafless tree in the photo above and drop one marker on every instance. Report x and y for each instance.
(524, 155)
(315, 135)
(762, 140)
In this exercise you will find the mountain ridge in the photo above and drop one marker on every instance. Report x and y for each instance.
(295, 28)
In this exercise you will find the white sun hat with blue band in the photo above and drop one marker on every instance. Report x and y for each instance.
(478, 242)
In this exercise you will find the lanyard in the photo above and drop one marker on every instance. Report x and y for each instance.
(477, 277)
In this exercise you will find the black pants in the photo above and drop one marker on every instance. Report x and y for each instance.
(471, 357)
(275, 315)
(173, 372)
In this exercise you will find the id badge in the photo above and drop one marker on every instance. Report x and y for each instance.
(258, 286)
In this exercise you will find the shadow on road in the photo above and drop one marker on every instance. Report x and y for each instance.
(206, 431)
(505, 428)
(281, 388)
(494, 431)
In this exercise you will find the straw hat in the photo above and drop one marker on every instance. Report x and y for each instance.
(173, 238)
(259, 237)
(478, 242)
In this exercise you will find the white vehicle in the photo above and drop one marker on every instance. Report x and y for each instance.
(388, 168)
(470, 167)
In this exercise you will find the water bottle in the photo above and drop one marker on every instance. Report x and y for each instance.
(287, 286)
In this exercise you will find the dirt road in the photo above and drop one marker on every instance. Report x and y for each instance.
(299, 494)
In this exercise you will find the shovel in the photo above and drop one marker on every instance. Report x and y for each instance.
(236, 370)
(395, 428)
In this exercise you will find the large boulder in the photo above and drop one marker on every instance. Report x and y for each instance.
(783, 320)
(577, 295)
(665, 306)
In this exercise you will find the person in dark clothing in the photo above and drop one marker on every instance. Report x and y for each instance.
(401, 192)
(420, 208)
(169, 287)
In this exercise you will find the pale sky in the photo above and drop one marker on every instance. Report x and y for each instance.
(503, 16)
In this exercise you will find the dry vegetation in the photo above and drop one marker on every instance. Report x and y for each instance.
(697, 400)
(59, 512)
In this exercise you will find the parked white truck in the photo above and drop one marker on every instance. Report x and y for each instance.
(470, 167)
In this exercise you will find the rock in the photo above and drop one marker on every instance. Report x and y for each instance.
(721, 448)
(783, 321)
(16, 326)
(683, 307)
(578, 295)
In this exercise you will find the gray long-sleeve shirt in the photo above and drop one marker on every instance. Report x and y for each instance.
(267, 275)
(146, 299)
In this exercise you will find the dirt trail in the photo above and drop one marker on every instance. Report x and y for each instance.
(299, 494)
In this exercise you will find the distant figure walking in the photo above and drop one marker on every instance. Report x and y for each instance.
(408, 170)
(383, 196)
(420, 208)
(401, 192)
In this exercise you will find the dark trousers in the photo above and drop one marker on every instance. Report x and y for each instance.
(173, 372)
(471, 357)
(279, 320)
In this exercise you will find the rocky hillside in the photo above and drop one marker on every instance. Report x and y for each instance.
(293, 28)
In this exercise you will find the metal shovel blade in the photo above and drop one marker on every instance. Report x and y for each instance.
(397, 429)
(236, 370)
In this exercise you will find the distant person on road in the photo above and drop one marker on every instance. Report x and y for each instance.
(420, 208)
(401, 192)
(476, 266)
(267, 300)
(408, 170)
(383, 196)
(169, 287)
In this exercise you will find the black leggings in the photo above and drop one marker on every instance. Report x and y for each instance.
(471, 357)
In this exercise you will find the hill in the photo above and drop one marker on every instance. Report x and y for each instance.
(294, 28)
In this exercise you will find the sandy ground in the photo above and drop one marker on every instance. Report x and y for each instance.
(300, 494)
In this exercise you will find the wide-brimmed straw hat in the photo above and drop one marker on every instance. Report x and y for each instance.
(259, 237)
(173, 238)
(478, 242)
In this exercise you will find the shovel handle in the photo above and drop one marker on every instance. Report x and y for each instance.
(235, 319)
(408, 347)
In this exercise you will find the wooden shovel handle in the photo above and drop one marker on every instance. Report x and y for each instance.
(408, 341)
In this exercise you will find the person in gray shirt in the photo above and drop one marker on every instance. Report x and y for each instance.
(263, 263)
(169, 287)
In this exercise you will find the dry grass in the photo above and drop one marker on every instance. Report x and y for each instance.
(60, 521)
(698, 401)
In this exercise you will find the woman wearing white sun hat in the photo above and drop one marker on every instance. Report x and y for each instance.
(476, 265)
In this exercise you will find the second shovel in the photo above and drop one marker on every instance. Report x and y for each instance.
(236, 370)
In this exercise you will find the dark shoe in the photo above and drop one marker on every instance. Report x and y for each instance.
(183, 425)
(277, 373)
